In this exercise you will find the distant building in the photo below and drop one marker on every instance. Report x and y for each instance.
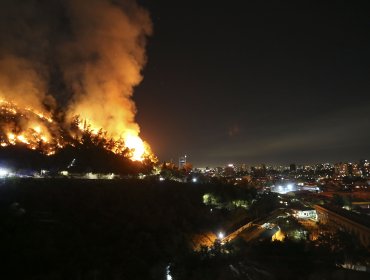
(354, 224)
(229, 170)
(182, 162)
(310, 187)
(305, 213)
(259, 171)
(284, 188)
(243, 167)
(293, 167)
(341, 169)
(355, 170)
(365, 167)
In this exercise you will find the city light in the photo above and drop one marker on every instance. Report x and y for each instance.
(221, 235)
(4, 172)
(168, 275)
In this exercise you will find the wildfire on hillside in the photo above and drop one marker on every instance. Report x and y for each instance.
(39, 131)
(74, 63)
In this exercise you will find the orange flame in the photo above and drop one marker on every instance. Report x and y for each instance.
(134, 143)
(35, 132)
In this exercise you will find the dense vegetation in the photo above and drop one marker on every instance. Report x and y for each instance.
(89, 154)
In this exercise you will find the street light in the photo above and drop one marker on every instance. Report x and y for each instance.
(221, 235)
(168, 274)
(3, 172)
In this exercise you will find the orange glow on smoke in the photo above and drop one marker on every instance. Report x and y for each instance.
(109, 43)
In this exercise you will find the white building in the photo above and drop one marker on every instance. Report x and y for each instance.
(305, 214)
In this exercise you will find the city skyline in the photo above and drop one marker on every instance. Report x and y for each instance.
(267, 163)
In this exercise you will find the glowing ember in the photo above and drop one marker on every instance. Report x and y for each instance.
(22, 139)
(44, 138)
(41, 115)
(37, 129)
(11, 137)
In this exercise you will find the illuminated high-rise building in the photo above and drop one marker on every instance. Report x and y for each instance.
(355, 170)
(293, 167)
(341, 169)
(182, 162)
(365, 167)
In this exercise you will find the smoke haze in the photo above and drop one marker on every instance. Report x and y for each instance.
(80, 57)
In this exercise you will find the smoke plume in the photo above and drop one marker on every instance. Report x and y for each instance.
(79, 57)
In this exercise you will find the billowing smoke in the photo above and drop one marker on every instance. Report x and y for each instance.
(20, 83)
(103, 61)
(79, 57)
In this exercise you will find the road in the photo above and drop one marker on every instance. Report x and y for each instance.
(254, 229)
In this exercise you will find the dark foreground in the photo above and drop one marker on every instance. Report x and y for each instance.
(128, 229)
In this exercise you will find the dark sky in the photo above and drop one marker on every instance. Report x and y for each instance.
(257, 82)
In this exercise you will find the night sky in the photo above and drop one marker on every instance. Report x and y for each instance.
(257, 82)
